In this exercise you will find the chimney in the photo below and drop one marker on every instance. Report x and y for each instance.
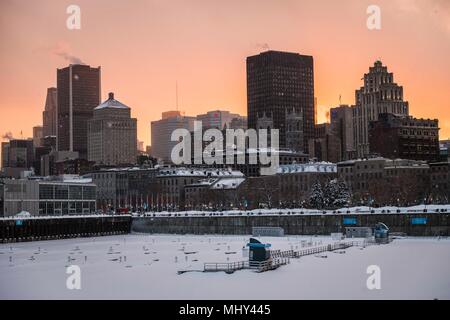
(111, 95)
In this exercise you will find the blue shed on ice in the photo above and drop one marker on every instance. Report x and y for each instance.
(258, 251)
(381, 232)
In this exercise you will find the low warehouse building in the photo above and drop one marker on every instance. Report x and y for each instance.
(61, 195)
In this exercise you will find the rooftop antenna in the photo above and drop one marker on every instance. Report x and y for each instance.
(340, 100)
(176, 94)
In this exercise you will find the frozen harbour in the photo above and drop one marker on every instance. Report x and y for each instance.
(146, 267)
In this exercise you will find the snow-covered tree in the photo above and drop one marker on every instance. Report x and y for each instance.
(329, 193)
(343, 196)
(334, 194)
(316, 198)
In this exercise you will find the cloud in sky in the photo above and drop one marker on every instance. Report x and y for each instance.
(63, 50)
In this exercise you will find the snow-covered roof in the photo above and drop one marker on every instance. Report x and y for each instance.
(199, 172)
(347, 162)
(228, 183)
(267, 150)
(203, 182)
(413, 166)
(219, 183)
(233, 148)
(69, 178)
(61, 179)
(363, 160)
(124, 169)
(405, 163)
(307, 167)
(80, 180)
(111, 103)
(23, 214)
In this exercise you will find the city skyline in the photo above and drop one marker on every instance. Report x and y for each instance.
(145, 72)
(151, 148)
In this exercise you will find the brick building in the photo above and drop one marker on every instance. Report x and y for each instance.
(381, 181)
(404, 137)
(173, 183)
(440, 182)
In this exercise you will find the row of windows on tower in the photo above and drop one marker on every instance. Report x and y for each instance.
(419, 132)
(383, 95)
(377, 80)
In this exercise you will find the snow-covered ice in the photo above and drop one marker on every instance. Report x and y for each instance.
(146, 266)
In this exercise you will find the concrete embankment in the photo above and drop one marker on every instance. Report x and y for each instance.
(431, 224)
(49, 228)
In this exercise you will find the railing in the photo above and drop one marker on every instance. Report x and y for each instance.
(270, 264)
(260, 266)
(227, 267)
(284, 254)
(279, 258)
(315, 250)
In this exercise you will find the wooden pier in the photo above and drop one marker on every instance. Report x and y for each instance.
(314, 250)
(230, 267)
(279, 258)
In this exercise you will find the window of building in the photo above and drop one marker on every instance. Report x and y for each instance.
(61, 192)
(88, 192)
(45, 191)
(75, 192)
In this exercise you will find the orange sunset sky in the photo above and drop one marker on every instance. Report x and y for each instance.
(144, 47)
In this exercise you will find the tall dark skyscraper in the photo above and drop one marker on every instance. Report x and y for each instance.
(78, 94)
(49, 114)
(280, 95)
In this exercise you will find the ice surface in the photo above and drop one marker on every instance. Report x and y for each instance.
(146, 266)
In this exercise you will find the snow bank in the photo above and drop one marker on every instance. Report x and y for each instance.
(423, 209)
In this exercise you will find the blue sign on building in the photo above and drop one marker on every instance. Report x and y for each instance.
(19, 222)
(420, 221)
(349, 221)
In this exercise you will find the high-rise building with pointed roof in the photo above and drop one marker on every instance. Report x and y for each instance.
(380, 94)
(112, 134)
